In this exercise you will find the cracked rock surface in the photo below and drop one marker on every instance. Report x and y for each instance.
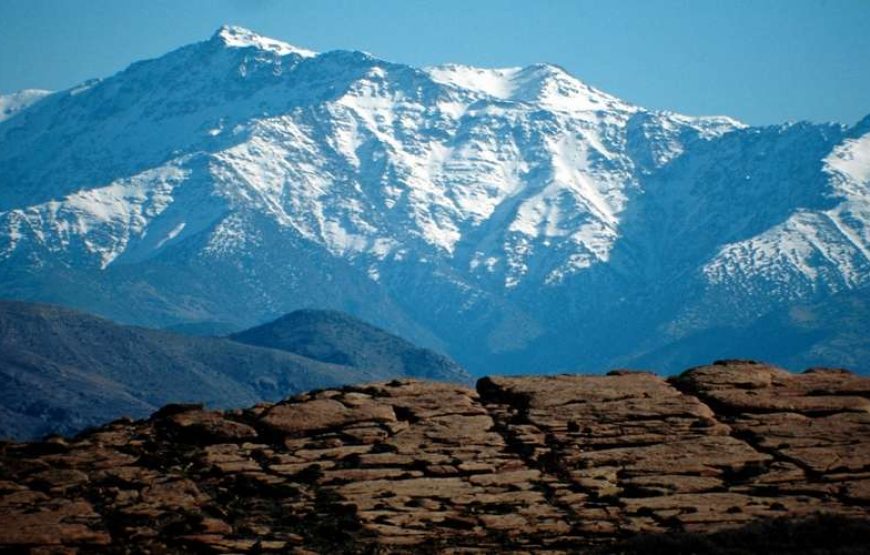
(552, 463)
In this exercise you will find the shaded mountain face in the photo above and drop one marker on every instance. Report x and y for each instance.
(337, 338)
(518, 219)
(736, 457)
(64, 370)
(833, 332)
(10, 104)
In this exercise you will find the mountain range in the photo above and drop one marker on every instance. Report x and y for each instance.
(64, 370)
(518, 219)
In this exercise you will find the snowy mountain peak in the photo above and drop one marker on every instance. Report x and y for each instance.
(239, 37)
(496, 83)
(545, 84)
(552, 86)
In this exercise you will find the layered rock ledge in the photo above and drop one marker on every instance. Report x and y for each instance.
(558, 463)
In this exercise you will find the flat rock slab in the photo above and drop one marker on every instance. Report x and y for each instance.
(536, 464)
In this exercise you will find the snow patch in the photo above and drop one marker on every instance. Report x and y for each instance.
(173, 233)
(239, 37)
(13, 104)
(497, 83)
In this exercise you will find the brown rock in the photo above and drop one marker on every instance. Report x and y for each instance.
(198, 426)
(60, 522)
(529, 465)
(299, 419)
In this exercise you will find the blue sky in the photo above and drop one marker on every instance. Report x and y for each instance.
(762, 61)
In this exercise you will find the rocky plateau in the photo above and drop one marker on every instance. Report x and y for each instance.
(628, 462)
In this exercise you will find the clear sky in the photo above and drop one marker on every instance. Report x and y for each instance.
(762, 61)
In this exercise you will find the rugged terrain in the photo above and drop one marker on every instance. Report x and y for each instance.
(517, 219)
(729, 457)
(63, 370)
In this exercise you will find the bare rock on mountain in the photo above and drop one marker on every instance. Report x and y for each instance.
(734, 454)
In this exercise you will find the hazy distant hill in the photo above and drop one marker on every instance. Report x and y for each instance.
(63, 370)
(338, 338)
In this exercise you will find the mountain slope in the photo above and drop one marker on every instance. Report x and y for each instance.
(514, 218)
(11, 104)
(833, 332)
(63, 370)
(337, 338)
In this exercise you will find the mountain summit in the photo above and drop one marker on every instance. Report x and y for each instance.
(239, 37)
(516, 218)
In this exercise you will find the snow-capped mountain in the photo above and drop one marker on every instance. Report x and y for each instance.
(515, 217)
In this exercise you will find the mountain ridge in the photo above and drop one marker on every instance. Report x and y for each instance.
(64, 370)
(335, 337)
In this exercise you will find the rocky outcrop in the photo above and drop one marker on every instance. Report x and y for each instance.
(557, 463)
